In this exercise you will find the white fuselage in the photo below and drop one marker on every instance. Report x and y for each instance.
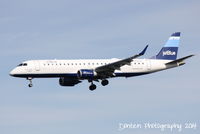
(69, 68)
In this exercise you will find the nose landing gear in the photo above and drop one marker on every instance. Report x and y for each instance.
(30, 80)
(30, 85)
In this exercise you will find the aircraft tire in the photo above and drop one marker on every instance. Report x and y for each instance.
(92, 87)
(30, 85)
(104, 82)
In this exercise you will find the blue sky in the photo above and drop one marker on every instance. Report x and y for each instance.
(74, 29)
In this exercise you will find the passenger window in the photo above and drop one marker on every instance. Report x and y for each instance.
(25, 64)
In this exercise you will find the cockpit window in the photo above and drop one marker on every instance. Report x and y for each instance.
(20, 64)
(23, 64)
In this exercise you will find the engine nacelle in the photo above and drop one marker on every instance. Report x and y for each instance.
(68, 82)
(86, 74)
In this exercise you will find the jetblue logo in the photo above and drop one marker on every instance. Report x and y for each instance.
(168, 52)
(87, 72)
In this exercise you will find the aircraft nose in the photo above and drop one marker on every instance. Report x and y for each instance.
(12, 73)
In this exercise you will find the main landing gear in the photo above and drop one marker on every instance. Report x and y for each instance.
(104, 82)
(30, 80)
(93, 86)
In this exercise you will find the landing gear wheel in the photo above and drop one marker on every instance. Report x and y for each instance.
(30, 80)
(30, 85)
(104, 82)
(92, 87)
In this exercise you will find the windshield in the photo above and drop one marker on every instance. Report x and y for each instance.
(23, 64)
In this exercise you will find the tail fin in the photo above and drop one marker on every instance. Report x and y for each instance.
(170, 49)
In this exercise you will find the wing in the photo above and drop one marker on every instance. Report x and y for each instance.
(108, 70)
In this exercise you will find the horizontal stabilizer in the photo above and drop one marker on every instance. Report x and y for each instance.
(179, 61)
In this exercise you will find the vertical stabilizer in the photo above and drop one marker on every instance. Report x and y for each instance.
(170, 49)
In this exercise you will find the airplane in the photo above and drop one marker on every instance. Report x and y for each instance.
(72, 72)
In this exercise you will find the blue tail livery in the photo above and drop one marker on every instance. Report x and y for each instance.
(170, 49)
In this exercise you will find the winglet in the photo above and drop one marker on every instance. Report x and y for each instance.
(144, 50)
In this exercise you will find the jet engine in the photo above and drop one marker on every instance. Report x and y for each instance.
(68, 82)
(86, 74)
